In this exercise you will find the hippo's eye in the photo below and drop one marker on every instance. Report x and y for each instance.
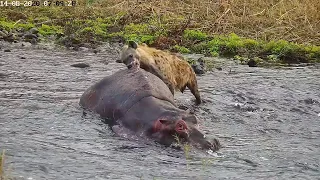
(130, 56)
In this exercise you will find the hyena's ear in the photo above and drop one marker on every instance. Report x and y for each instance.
(133, 44)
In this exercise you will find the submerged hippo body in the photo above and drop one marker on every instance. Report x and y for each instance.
(142, 102)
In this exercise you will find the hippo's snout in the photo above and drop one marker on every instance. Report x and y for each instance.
(214, 145)
(166, 128)
(197, 138)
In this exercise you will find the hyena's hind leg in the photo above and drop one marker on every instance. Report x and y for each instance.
(193, 86)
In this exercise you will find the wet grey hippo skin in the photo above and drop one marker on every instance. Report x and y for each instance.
(142, 102)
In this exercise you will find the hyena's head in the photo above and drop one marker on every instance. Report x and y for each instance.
(129, 55)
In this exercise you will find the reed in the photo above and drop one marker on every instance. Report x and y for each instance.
(2, 157)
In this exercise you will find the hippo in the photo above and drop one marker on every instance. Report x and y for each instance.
(143, 103)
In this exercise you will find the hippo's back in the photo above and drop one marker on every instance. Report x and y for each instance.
(113, 96)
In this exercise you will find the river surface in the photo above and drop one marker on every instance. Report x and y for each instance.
(267, 119)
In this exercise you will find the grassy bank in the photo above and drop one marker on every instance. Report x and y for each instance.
(5, 172)
(2, 158)
(268, 31)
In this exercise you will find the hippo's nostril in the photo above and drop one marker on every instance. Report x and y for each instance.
(216, 144)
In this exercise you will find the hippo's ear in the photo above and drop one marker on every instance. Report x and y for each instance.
(133, 44)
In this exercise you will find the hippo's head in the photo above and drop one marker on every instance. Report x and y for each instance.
(129, 55)
(168, 131)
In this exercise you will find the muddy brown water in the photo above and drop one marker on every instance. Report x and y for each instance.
(268, 121)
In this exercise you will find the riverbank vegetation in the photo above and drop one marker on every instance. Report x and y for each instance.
(2, 173)
(286, 31)
(5, 172)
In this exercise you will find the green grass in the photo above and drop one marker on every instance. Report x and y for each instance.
(243, 49)
(2, 162)
(181, 49)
